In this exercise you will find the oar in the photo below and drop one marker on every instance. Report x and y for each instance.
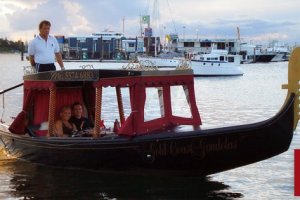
(11, 88)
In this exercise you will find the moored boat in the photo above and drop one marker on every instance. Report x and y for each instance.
(281, 50)
(216, 63)
(167, 143)
(255, 54)
(159, 62)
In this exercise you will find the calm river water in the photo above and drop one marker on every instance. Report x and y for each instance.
(222, 101)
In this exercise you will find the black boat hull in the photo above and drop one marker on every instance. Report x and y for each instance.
(198, 151)
(264, 58)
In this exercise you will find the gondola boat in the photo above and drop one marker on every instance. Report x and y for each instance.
(168, 143)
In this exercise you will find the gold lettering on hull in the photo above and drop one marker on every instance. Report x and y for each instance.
(86, 75)
(199, 148)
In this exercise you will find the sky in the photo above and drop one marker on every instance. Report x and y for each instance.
(260, 21)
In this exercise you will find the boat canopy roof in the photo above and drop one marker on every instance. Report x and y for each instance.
(97, 74)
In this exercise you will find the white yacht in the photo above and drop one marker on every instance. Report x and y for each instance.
(216, 63)
(159, 62)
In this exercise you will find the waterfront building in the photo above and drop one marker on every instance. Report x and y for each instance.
(199, 46)
(102, 45)
(106, 45)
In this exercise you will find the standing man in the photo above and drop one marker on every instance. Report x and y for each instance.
(43, 50)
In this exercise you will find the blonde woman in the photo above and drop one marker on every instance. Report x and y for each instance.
(63, 128)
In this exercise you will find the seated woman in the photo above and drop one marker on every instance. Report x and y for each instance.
(63, 128)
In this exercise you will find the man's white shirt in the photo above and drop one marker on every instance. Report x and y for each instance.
(43, 51)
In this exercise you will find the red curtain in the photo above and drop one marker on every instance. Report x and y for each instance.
(19, 125)
(41, 107)
(38, 85)
(66, 97)
(36, 95)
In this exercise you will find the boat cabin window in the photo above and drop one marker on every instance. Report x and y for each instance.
(131, 45)
(220, 45)
(205, 44)
(189, 44)
(180, 106)
(109, 108)
(230, 59)
(221, 58)
(153, 104)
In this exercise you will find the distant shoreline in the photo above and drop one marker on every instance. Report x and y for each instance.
(10, 52)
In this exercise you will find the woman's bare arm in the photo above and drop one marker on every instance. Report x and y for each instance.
(58, 128)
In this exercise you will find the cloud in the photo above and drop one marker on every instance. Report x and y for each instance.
(270, 36)
(109, 14)
(73, 17)
(205, 18)
(20, 4)
(76, 23)
(255, 29)
(28, 18)
(255, 26)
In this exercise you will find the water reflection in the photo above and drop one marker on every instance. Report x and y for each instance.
(30, 181)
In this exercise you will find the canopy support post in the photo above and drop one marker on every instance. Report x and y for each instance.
(120, 104)
(51, 117)
(161, 101)
(190, 97)
(98, 110)
(187, 96)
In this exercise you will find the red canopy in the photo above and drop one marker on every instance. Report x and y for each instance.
(36, 99)
(135, 123)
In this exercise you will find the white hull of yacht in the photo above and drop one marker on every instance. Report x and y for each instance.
(215, 69)
(159, 62)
